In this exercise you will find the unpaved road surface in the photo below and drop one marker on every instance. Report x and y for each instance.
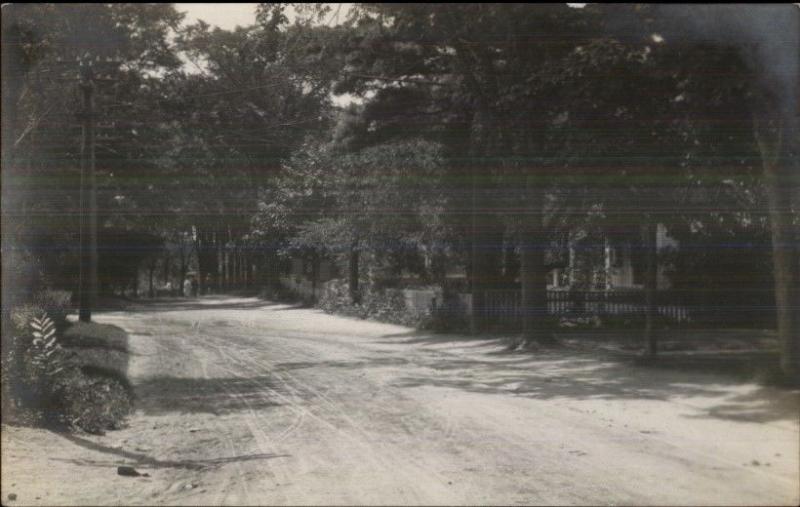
(247, 402)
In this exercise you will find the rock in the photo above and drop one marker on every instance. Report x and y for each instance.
(755, 463)
(127, 471)
(194, 430)
(12, 497)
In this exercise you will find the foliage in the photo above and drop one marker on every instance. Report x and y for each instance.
(93, 400)
(386, 199)
(449, 317)
(34, 361)
(382, 305)
(44, 382)
(56, 304)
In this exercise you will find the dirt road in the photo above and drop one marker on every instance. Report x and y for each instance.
(247, 402)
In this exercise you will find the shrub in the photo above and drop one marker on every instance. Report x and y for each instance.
(93, 400)
(33, 360)
(384, 305)
(47, 381)
(23, 276)
(392, 308)
(56, 303)
(450, 317)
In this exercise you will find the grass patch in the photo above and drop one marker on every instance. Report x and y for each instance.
(79, 383)
(99, 395)
(94, 335)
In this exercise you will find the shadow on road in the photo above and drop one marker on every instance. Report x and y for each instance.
(144, 461)
(159, 395)
(581, 375)
(201, 303)
(366, 362)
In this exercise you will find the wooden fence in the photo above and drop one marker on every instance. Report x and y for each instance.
(503, 306)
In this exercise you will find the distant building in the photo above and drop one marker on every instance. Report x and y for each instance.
(615, 262)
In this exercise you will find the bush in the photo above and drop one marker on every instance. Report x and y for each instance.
(33, 360)
(386, 305)
(56, 303)
(450, 317)
(23, 276)
(93, 400)
(50, 383)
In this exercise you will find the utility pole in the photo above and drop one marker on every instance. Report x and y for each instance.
(88, 196)
(91, 71)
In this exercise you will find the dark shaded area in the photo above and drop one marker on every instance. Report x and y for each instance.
(365, 363)
(98, 372)
(94, 335)
(562, 372)
(188, 305)
(144, 461)
(423, 338)
(608, 382)
(753, 407)
(160, 395)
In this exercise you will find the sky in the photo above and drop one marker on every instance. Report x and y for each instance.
(225, 16)
(228, 16)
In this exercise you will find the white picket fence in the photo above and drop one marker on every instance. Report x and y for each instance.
(503, 306)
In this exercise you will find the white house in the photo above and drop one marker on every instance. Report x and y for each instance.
(622, 265)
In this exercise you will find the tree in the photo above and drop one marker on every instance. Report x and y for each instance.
(382, 200)
(767, 39)
(453, 69)
(258, 95)
(45, 134)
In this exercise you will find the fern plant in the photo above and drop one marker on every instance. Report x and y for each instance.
(47, 357)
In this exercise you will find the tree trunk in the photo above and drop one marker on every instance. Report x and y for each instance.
(220, 263)
(438, 267)
(184, 268)
(199, 245)
(226, 282)
(150, 291)
(487, 240)
(650, 284)
(236, 267)
(167, 270)
(245, 268)
(533, 305)
(775, 136)
(355, 293)
(268, 270)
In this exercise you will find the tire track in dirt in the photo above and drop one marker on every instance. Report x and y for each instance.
(293, 401)
(260, 437)
(378, 451)
(327, 403)
(169, 348)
